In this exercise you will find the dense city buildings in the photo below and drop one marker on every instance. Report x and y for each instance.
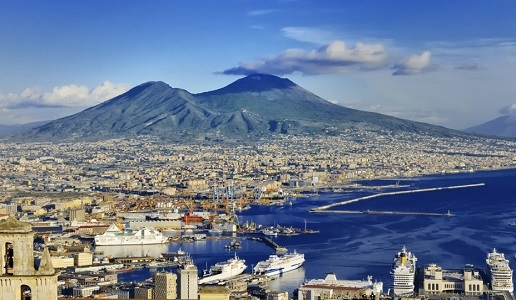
(72, 192)
(150, 165)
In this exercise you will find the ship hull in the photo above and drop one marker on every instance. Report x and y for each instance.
(278, 265)
(224, 270)
(279, 271)
(221, 276)
(117, 237)
(128, 243)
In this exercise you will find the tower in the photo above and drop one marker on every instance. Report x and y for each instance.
(19, 279)
(188, 282)
(165, 285)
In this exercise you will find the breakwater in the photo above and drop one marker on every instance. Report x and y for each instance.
(326, 208)
(273, 245)
(378, 212)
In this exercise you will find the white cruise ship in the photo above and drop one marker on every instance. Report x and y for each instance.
(114, 236)
(224, 270)
(276, 265)
(403, 273)
(499, 271)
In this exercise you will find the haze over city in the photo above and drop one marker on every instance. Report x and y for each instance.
(448, 63)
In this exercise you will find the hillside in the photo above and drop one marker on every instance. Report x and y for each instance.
(252, 106)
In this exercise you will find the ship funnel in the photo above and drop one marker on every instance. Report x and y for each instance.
(403, 257)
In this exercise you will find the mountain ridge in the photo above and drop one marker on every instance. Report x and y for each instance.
(504, 126)
(253, 106)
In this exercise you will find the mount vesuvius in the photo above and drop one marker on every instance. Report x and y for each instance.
(253, 106)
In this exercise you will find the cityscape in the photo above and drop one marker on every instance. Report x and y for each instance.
(257, 150)
(71, 195)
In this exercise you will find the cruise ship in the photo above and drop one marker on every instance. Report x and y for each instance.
(403, 272)
(499, 271)
(224, 270)
(276, 265)
(114, 236)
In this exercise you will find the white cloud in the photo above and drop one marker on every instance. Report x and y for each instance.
(414, 64)
(508, 110)
(309, 35)
(261, 12)
(332, 58)
(62, 96)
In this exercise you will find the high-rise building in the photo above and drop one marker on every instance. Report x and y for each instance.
(165, 285)
(188, 282)
(143, 292)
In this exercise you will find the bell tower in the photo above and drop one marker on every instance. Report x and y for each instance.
(19, 279)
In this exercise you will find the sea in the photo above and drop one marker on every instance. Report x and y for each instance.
(354, 246)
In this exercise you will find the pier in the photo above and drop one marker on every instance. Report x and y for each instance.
(326, 208)
(273, 245)
(378, 212)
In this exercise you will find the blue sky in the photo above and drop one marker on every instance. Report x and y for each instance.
(450, 63)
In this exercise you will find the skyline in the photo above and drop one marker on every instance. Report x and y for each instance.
(448, 63)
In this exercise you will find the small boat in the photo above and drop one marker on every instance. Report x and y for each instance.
(233, 245)
(215, 231)
(513, 223)
(270, 231)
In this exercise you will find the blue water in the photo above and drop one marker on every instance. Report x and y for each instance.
(357, 245)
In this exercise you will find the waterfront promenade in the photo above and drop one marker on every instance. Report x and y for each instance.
(326, 208)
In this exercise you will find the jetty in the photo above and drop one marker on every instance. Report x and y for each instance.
(273, 245)
(326, 208)
(379, 212)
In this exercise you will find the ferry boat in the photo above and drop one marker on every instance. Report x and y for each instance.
(115, 236)
(276, 265)
(499, 271)
(403, 272)
(224, 270)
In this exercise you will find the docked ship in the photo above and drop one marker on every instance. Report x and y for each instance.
(276, 265)
(499, 271)
(224, 270)
(403, 273)
(115, 236)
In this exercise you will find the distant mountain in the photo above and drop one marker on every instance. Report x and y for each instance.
(504, 126)
(10, 129)
(253, 106)
(289, 108)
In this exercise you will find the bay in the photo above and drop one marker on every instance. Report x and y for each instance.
(354, 246)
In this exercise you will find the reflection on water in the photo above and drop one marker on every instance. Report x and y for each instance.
(288, 281)
(355, 246)
(133, 250)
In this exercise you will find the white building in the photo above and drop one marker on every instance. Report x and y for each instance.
(188, 282)
(332, 288)
(463, 281)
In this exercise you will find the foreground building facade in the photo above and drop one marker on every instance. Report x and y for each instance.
(19, 279)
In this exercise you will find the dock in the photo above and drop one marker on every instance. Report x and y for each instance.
(273, 245)
(379, 212)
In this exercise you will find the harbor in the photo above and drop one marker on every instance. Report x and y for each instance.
(365, 239)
